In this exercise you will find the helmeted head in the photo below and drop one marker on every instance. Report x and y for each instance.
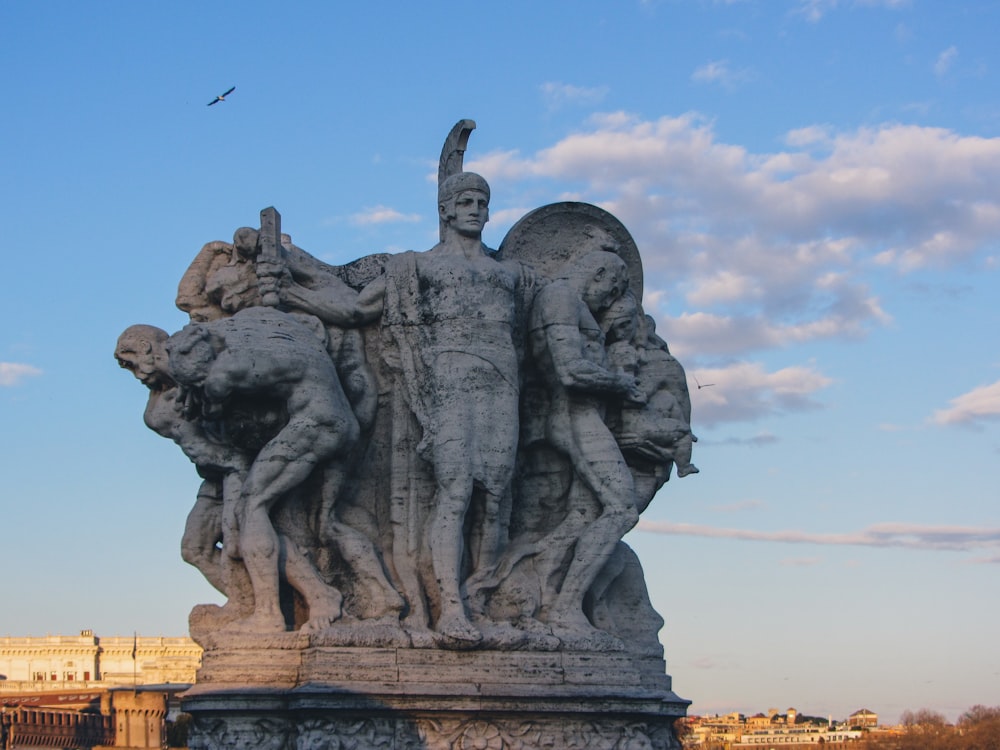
(141, 350)
(464, 204)
(460, 182)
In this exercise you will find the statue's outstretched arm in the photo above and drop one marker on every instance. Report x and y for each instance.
(336, 303)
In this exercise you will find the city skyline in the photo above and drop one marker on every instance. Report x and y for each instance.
(812, 186)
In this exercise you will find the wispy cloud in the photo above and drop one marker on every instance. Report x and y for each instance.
(14, 373)
(557, 95)
(746, 391)
(814, 10)
(719, 71)
(755, 441)
(783, 232)
(382, 215)
(890, 4)
(901, 535)
(945, 60)
(978, 405)
(746, 252)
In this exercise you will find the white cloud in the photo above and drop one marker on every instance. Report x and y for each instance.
(979, 404)
(891, 4)
(808, 136)
(13, 373)
(945, 60)
(814, 10)
(560, 94)
(507, 216)
(383, 215)
(772, 249)
(745, 391)
(759, 440)
(719, 71)
(902, 535)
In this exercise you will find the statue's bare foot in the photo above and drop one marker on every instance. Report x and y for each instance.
(323, 614)
(683, 471)
(324, 611)
(587, 639)
(317, 623)
(576, 632)
(386, 602)
(259, 622)
(458, 629)
(421, 637)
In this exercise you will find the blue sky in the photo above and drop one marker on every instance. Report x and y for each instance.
(815, 189)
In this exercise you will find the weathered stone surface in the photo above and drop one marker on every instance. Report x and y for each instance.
(428, 730)
(418, 469)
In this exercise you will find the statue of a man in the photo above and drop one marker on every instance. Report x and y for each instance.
(569, 351)
(262, 352)
(142, 350)
(449, 319)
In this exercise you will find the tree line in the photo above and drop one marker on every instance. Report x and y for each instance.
(925, 729)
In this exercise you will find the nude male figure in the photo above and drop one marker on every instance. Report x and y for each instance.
(141, 349)
(261, 351)
(568, 345)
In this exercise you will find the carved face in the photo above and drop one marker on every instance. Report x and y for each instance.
(234, 286)
(143, 356)
(469, 212)
(621, 320)
(608, 282)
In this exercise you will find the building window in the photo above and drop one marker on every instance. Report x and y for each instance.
(86, 676)
(39, 676)
(53, 677)
(69, 676)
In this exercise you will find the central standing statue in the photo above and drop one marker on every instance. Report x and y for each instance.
(424, 454)
(450, 314)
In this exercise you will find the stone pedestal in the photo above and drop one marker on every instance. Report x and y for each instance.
(395, 698)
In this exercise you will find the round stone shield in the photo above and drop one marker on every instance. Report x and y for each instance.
(552, 236)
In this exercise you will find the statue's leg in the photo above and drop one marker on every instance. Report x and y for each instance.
(324, 601)
(203, 533)
(611, 482)
(446, 540)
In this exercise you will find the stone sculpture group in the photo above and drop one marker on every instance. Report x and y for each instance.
(437, 449)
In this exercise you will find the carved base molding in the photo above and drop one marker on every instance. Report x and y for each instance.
(333, 721)
(461, 701)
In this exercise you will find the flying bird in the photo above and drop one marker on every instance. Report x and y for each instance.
(700, 386)
(221, 97)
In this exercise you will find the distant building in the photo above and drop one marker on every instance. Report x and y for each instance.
(864, 719)
(801, 735)
(57, 662)
(120, 717)
(771, 730)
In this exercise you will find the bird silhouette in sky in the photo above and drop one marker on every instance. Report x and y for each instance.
(221, 97)
(700, 386)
